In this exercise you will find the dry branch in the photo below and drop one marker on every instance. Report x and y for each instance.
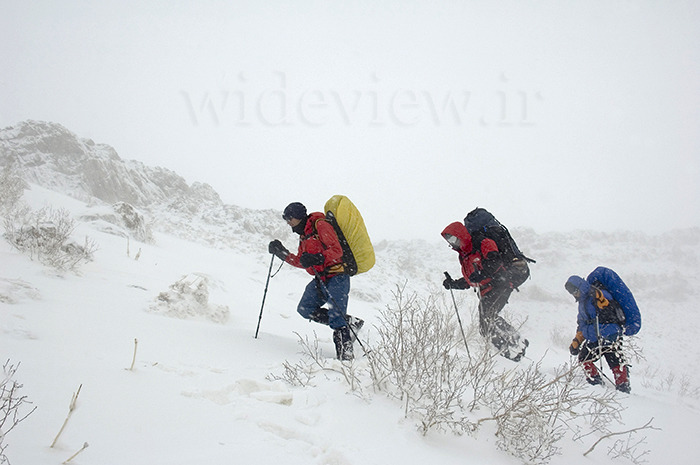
(609, 435)
(133, 360)
(85, 446)
(71, 407)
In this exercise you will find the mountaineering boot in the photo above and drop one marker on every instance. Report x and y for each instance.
(622, 382)
(506, 339)
(510, 348)
(343, 344)
(320, 316)
(355, 325)
(520, 350)
(501, 347)
(592, 375)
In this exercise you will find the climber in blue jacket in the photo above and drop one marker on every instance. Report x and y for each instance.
(606, 311)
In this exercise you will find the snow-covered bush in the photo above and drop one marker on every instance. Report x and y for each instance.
(13, 406)
(421, 360)
(189, 298)
(45, 235)
(416, 361)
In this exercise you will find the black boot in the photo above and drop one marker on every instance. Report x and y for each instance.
(355, 324)
(320, 316)
(343, 343)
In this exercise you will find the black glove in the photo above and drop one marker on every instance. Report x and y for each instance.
(575, 347)
(278, 249)
(311, 259)
(574, 350)
(450, 283)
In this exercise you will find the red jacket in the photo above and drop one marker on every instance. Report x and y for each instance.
(319, 237)
(471, 260)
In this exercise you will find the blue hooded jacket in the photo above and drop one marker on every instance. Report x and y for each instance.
(587, 312)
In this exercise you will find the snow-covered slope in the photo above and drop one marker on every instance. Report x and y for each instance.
(203, 390)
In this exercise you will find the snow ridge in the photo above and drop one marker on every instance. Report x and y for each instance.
(51, 156)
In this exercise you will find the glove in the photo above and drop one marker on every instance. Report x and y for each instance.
(450, 283)
(276, 248)
(311, 259)
(575, 346)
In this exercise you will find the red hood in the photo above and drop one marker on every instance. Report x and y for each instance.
(458, 230)
(309, 228)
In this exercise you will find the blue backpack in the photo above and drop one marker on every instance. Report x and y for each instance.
(607, 279)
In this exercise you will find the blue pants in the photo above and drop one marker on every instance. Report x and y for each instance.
(315, 297)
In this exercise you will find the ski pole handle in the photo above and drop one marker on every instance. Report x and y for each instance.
(447, 275)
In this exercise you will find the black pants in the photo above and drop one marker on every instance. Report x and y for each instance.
(491, 324)
(591, 351)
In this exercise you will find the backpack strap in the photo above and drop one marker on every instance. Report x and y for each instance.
(609, 310)
(337, 268)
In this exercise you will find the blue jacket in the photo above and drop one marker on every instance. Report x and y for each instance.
(588, 308)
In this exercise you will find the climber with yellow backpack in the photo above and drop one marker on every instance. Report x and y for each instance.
(332, 247)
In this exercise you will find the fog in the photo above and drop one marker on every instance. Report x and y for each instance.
(555, 116)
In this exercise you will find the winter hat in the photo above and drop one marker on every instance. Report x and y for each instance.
(294, 210)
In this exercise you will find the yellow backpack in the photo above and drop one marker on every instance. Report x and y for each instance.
(358, 252)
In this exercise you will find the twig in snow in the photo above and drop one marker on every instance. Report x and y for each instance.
(85, 446)
(133, 360)
(70, 412)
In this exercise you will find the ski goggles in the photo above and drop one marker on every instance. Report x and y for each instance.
(453, 240)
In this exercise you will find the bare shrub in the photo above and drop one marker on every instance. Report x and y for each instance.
(45, 235)
(419, 362)
(629, 446)
(652, 378)
(303, 372)
(419, 359)
(533, 412)
(416, 361)
(13, 406)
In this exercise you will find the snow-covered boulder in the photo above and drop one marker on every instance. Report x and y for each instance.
(188, 298)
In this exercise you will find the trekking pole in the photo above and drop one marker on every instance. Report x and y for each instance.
(324, 288)
(264, 295)
(459, 320)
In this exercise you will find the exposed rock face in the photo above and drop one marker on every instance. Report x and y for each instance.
(53, 157)
(134, 221)
(50, 155)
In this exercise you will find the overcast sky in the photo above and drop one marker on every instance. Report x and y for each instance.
(553, 115)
